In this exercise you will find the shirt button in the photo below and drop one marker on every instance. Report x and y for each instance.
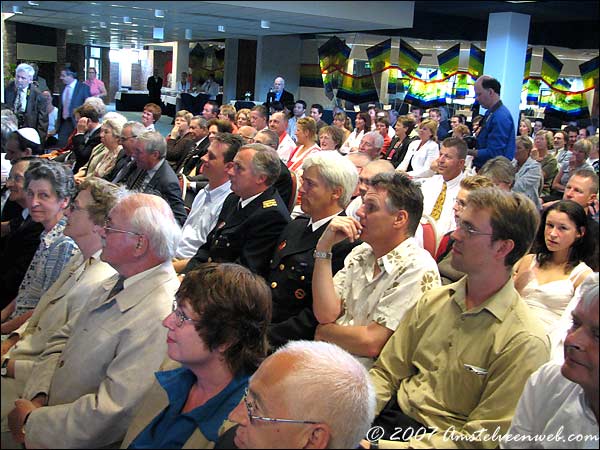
(274, 284)
(281, 266)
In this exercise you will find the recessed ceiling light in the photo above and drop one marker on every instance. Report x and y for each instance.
(159, 13)
(188, 33)
(102, 24)
(221, 28)
(158, 33)
(127, 19)
(16, 9)
(265, 24)
(33, 3)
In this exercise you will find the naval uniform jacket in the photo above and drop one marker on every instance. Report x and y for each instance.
(245, 236)
(290, 278)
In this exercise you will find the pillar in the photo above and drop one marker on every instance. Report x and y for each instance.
(181, 60)
(230, 69)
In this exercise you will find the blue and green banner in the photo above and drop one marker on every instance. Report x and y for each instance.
(448, 60)
(333, 55)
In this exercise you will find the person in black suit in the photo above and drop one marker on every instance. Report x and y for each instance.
(253, 216)
(400, 142)
(85, 139)
(154, 175)
(278, 94)
(154, 84)
(27, 102)
(329, 181)
(72, 96)
(126, 164)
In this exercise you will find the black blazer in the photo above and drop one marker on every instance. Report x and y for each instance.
(122, 160)
(83, 150)
(36, 114)
(400, 149)
(192, 159)
(81, 92)
(287, 99)
(166, 184)
(247, 236)
(154, 84)
(290, 278)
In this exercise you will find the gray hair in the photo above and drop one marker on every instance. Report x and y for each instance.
(588, 290)
(152, 216)
(337, 171)
(97, 104)
(377, 139)
(265, 162)
(58, 175)
(272, 139)
(114, 123)
(201, 121)
(137, 128)
(153, 141)
(344, 384)
(105, 196)
(24, 67)
(499, 169)
(9, 125)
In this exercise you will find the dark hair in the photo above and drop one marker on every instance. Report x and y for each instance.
(276, 106)
(222, 125)
(302, 102)
(58, 175)
(261, 109)
(36, 149)
(234, 306)
(458, 144)
(367, 118)
(491, 83)
(383, 120)
(233, 142)
(89, 112)
(318, 107)
(570, 129)
(583, 247)
(403, 193)
(214, 106)
(70, 70)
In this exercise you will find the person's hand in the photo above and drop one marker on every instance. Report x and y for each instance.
(340, 228)
(82, 125)
(175, 132)
(16, 419)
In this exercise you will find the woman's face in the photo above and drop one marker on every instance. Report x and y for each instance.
(338, 122)
(383, 129)
(540, 141)
(301, 135)
(579, 156)
(242, 120)
(560, 231)
(44, 205)
(360, 123)
(92, 74)
(326, 142)
(400, 130)
(425, 133)
(523, 129)
(108, 138)
(182, 124)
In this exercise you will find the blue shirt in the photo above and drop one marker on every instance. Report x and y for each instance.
(171, 428)
(497, 136)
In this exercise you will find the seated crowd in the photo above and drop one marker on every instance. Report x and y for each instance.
(262, 279)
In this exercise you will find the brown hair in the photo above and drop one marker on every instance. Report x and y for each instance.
(154, 109)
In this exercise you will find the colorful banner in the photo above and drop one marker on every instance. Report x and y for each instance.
(392, 84)
(527, 63)
(476, 59)
(533, 91)
(379, 59)
(589, 73)
(462, 86)
(332, 61)
(567, 107)
(310, 75)
(358, 90)
(427, 95)
(448, 60)
(408, 58)
(551, 67)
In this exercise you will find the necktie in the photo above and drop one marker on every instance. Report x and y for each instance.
(124, 172)
(439, 203)
(138, 183)
(19, 101)
(118, 287)
(67, 103)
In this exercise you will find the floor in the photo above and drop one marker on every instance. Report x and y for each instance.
(163, 126)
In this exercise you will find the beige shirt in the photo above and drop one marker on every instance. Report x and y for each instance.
(458, 370)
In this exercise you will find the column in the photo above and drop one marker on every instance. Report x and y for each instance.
(181, 60)
(505, 56)
(277, 56)
(230, 70)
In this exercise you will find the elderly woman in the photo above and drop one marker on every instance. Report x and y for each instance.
(179, 140)
(331, 138)
(363, 125)
(49, 187)
(501, 171)
(541, 153)
(104, 155)
(421, 153)
(528, 176)
(242, 118)
(217, 333)
(578, 160)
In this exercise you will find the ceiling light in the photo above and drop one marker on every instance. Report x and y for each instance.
(33, 3)
(17, 9)
(221, 28)
(188, 33)
(102, 24)
(158, 33)
(69, 32)
(265, 24)
(127, 19)
(159, 13)
(84, 28)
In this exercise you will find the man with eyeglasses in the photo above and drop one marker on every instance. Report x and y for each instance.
(125, 164)
(453, 371)
(83, 389)
(305, 395)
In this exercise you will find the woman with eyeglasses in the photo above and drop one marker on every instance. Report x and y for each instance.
(217, 335)
(49, 187)
(547, 278)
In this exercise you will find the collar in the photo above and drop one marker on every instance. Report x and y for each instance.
(499, 304)
(495, 107)
(25, 213)
(49, 237)
(392, 260)
(319, 223)
(245, 203)
(73, 83)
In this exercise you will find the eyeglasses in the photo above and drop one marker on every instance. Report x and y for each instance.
(180, 315)
(108, 229)
(468, 228)
(124, 139)
(363, 180)
(73, 207)
(252, 417)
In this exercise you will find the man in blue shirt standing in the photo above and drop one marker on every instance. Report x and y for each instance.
(497, 135)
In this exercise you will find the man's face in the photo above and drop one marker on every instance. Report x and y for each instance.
(143, 160)
(559, 141)
(484, 96)
(367, 146)
(418, 113)
(207, 112)
(15, 183)
(13, 151)
(582, 134)
(244, 182)
(460, 202)
(22, 79)
(79, 223)
(66, 78)
(214, 166)
(299, 110)
(118, 247)
(277, 123)
(257, 121)
(449, 163)
(147, 118)
(581, 348)
(197, 131)
(317, 196)
(278, 84)
(364, 180)
(315, 114)
(434, 115)
(521, 153)
(572, 139)
(382, 128)
(267, 398)
(454, 122)
(374, 216)
(579, 190)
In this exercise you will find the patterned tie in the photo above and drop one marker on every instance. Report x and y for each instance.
(19, 101)
(137, 185)
(439, 203)
(67, 103)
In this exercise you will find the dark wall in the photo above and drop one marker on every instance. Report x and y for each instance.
(246, 68)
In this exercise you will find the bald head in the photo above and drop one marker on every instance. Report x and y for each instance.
(370, 170)
(247, 133)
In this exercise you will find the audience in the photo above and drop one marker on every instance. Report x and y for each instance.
(541, 153)
(180, 141)
(352, 142)
(399, 145)
(316, 112)
(561, 152)
(340, 120)
(150, 115)
(580, 152)
(421, 153)
(365, 175)
(279, 124)
(382, 125)
(210, 110)
(528, 177)
(125, 164)
(258, 118)
(297, 113)
(501, 171)
(242, 118)
(371, 144)
(306, 136)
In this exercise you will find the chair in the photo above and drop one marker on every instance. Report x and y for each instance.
(430, 238)
(294, 196)
(243, 104)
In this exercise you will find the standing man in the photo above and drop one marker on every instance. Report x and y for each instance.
(497, 130)
(73, 95)
(154, 84)
(299, 112)
(278, 94)
(27, 102)
(211, 87)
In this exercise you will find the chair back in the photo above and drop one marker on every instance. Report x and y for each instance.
(430, 239)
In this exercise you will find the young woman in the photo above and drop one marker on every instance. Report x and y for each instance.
(421, 153)
(547, 278)
(340, 120)
(363, 125)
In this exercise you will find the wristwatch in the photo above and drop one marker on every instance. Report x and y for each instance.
(4, 366)
(322, 255)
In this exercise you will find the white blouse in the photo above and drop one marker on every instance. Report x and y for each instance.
(420, 159)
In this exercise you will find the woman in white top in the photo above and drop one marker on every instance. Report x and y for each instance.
(363, 125)
(547, 278)
(421, 153)
(306, 137)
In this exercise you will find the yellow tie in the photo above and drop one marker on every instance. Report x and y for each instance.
(439, 203)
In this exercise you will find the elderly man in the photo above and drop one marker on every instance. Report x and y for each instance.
(279, 124)
(364, 181)
(305, 395)
(252, 217)
(456, 365)
(371, 144)
(126, 164)
(209, 201)
(529, 178)
(497, 131)
(582, 188)
(328, 182)
(362, 305)
(278, 94)
(154, 175)
(571, 411)
(258, 118)
(72, 96)
(63, 302)
(27, 102)
(86, 384)
(439, 191)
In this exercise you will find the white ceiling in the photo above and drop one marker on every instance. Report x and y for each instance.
(241, 19)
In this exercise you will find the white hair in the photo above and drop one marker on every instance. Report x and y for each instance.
(327, 384)
(337, 171)
(23, 67)
(377, 139)
(588, 290)
(97, 104)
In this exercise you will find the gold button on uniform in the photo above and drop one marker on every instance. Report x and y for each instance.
(281, 266)
(274, 284)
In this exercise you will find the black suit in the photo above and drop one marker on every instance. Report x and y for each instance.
(397, 150)
(35, 114)
(287, 99)
(178, 149)
(66, 127)
(82, 150)
(247, 236)
(290, 278)
(122, 162)
(154, 84)
(193, 158)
